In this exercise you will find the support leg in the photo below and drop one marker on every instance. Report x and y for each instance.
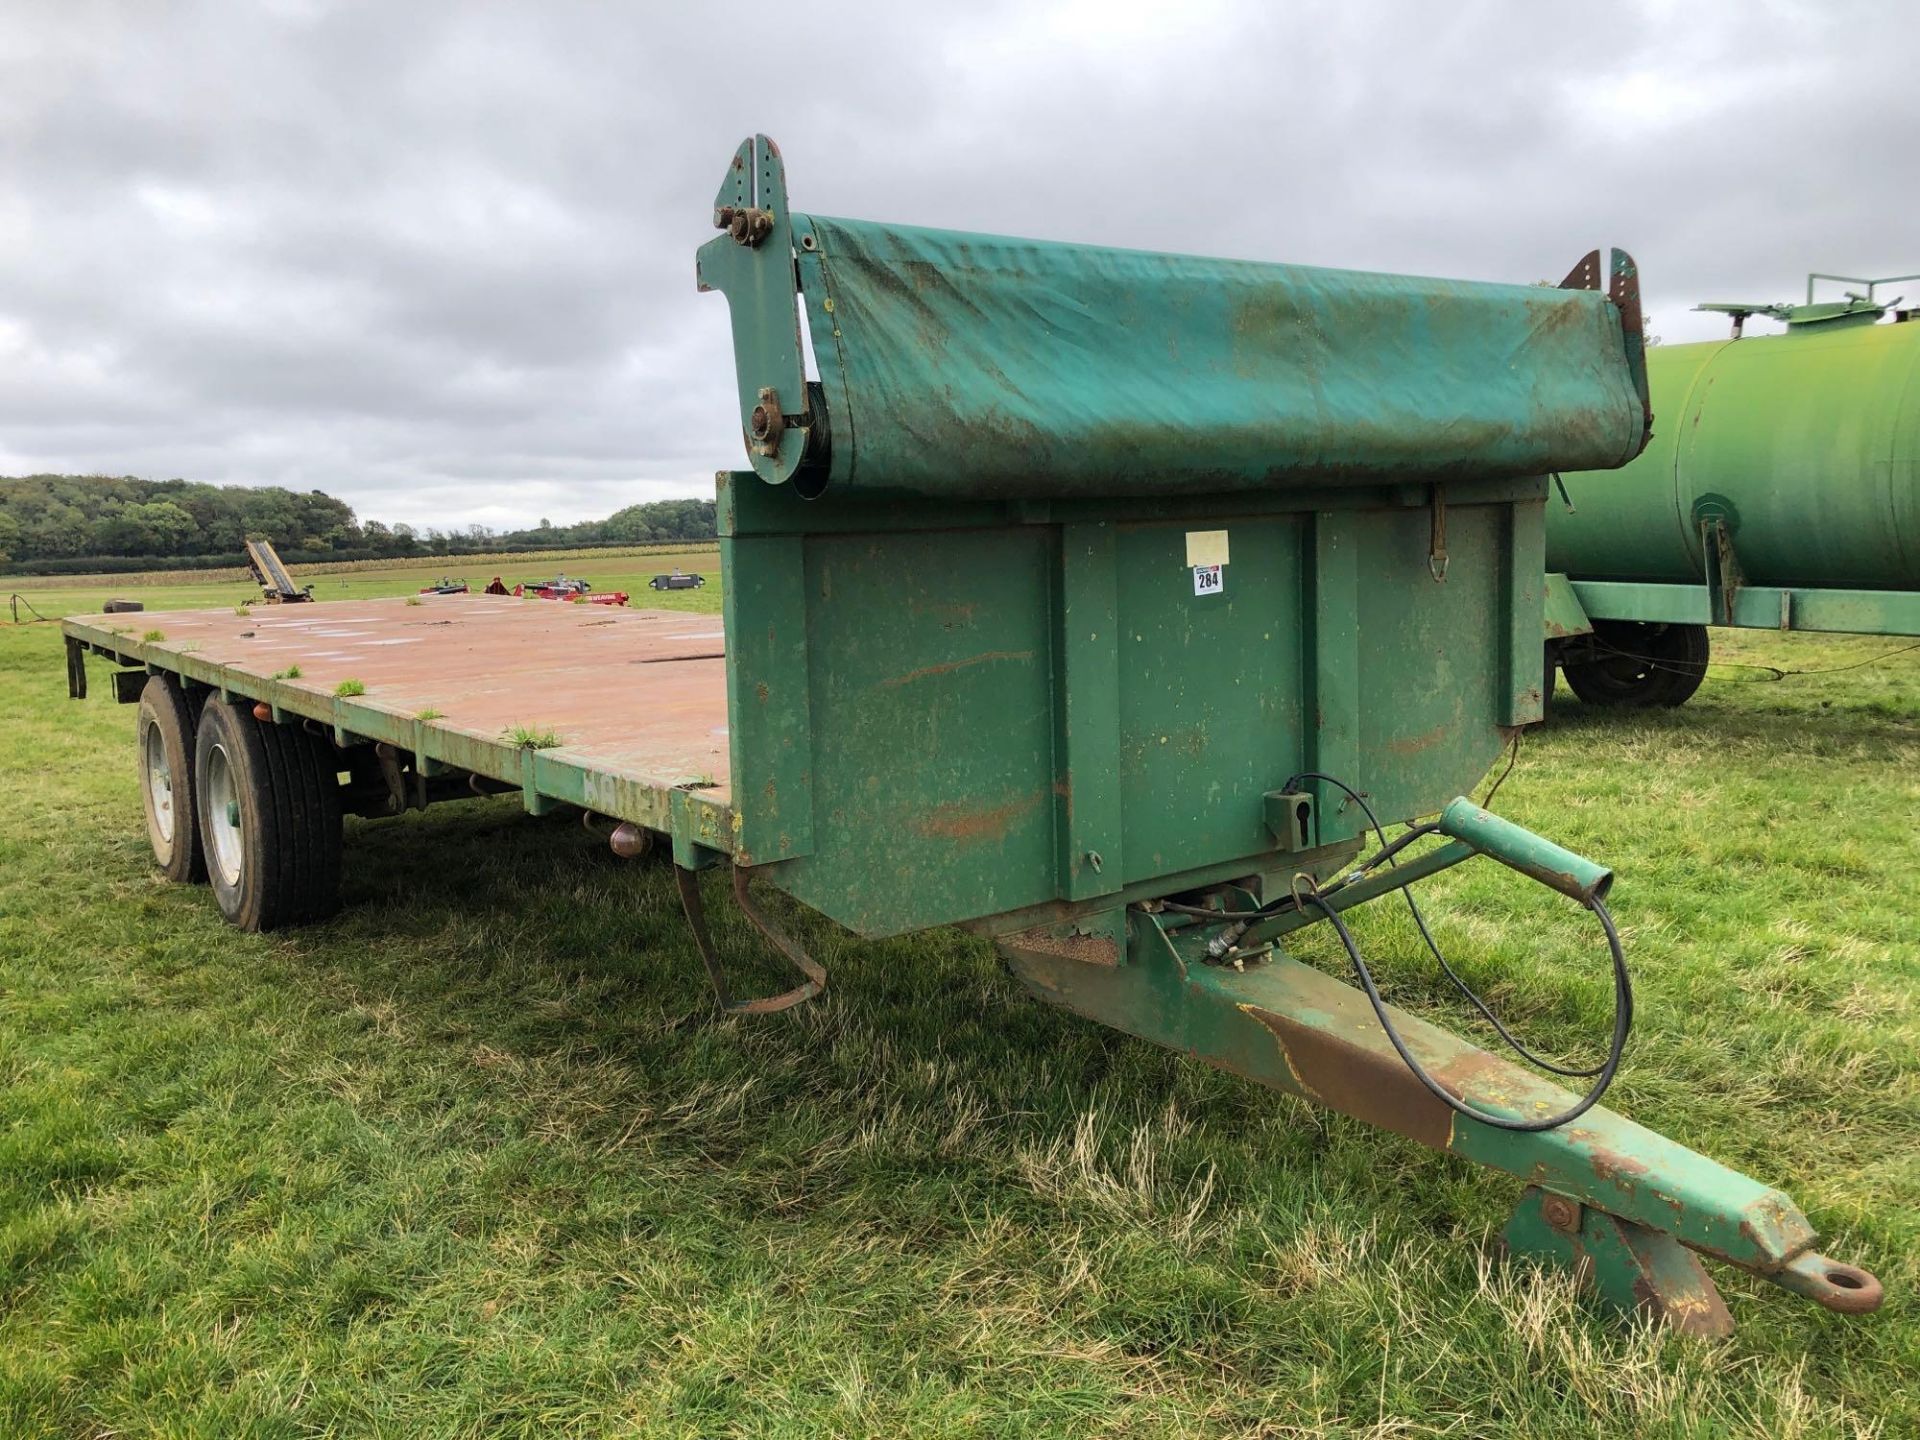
(1628, 1266)
(816, 976)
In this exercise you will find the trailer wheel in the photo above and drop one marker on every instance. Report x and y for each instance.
(269, 825)
(164, 735)
(1638, 663)
(311, 767)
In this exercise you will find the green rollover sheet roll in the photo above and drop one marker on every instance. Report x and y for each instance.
(955, 364)
(974, 363)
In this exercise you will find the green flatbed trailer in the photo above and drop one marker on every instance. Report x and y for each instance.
(1095, 600)
(1781, 491)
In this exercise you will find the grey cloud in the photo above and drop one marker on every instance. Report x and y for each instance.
(437, 258)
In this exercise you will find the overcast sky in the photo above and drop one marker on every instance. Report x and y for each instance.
(438, 259)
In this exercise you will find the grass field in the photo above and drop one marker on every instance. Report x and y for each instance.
(477, 568)
(475, 1158)
(627, 569)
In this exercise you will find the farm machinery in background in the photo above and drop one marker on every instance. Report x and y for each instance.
(1781, 491)
(275, 580)
(561, 587)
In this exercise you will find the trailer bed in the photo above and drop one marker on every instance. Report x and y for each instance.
(623, 707)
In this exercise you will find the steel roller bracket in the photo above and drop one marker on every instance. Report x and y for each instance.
(752, 264)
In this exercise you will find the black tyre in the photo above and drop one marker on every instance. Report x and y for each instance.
(1687, 662)
(239, 818)
(164, 744)
(310, 764)
(269, 808)
(1637, 663)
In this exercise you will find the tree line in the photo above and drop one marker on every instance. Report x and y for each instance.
(61, 522)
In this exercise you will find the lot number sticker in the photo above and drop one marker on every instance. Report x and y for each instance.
(1206, 580)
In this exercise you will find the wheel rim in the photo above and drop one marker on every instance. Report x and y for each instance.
(159, 776)
(1624, 675)
(1637, 663)
(223, 816)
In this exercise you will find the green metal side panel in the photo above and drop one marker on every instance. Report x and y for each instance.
(768, 705)
(1037, 709)
(933, 726)
(1433, 690)
(1210, 701)
(963, 363)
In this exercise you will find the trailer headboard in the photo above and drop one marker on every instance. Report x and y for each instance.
(1076, 565)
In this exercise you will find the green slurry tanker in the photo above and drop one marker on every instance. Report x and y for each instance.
(1781, 490)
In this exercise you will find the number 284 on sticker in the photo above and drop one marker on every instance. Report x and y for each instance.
(1206, 579)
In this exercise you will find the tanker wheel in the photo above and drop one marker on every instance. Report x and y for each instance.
(1637, 663)
(164, 742)
(269, 811)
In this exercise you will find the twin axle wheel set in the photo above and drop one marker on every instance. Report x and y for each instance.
(251, 807)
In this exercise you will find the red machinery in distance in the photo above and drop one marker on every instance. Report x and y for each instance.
(578, 592)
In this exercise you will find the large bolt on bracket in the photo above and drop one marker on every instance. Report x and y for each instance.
(765, 423)
(747, 225)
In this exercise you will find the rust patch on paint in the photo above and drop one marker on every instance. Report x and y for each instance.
(1414, 744)
(1359, 1081)
(1460, 1074)
(1775, 1228)
(964, 822)
(950, 666)
(1084, 949)
(1616, 1169)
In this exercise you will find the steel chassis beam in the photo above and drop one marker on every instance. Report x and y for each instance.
(1756, 607)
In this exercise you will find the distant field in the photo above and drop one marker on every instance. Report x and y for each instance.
(476, 1159)
(192, 589)
(450, 564)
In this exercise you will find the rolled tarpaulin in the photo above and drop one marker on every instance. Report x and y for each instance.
(958, 365)
(961, 364)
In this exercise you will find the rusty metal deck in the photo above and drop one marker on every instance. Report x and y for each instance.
(635, 699)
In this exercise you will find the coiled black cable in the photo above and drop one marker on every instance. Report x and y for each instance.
(1387, 853)
(1601, 1074)
(1622, 1025)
